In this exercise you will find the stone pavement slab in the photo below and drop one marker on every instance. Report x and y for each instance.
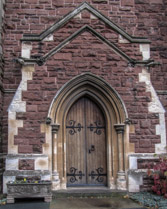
(76, 203)
(27, 204)
(94, 203)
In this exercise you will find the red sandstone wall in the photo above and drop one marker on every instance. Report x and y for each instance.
(1, 93)
(152, 22)
(137, 18)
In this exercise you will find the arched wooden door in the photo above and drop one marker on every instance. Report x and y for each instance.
(86, 144)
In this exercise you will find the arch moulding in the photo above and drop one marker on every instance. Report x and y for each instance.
(115, 114)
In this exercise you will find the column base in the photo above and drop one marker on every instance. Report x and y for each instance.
(121, 181)
(63, 184)
(112, 183)
(55, 181)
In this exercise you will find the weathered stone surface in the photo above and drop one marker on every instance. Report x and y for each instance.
(26, 164)
(27, 190)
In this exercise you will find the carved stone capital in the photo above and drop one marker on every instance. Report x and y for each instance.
(55, 128)
(119, 128)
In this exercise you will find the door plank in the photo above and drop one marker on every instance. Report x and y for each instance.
(75, 145)
(96, 160)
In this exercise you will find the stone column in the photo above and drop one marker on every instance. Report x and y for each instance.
(55, 174)
(121, 180)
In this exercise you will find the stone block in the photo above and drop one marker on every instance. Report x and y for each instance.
(41, 163)
(127, 2)
(63, 56)
(133, 188)
(26, 50)
(156, 1)
(6, 179)
(145, 50)
(26, 164)
(25, 149)
(11, 164)
(132, 162)
(134, 182)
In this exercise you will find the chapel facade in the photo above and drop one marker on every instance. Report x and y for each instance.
(83, 91)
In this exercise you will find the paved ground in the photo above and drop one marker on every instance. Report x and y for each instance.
(76, 203)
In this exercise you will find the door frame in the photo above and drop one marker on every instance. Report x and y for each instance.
(114, 111)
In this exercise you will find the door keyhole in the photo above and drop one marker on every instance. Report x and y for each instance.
(92, 149)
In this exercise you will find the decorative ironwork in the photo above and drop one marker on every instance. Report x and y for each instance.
(92, 149)
(73, 128)
(100, 175)
(73, 174)
(97, 128)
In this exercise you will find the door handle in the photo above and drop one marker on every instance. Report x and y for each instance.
(92, 149)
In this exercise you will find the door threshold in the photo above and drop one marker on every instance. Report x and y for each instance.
(86, 192)
(88, 188)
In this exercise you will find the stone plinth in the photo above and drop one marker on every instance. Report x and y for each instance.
(29, 190)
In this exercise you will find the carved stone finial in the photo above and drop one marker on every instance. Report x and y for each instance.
(131, 64)
(40, 61)
(48, 121)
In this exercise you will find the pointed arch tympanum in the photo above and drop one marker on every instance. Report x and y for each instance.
(98, 90)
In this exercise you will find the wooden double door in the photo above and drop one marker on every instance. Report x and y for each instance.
(86, 144)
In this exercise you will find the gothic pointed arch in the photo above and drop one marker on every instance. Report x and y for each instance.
(114, 111)
(92, 85)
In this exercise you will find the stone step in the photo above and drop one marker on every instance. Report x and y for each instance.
(87, 192)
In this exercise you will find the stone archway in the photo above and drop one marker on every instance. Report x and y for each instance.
(91, 86)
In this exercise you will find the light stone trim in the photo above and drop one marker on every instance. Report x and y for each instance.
(79, 16)
(6, 179)
(134, 157)
(41, 161)
(145, 50)
(134, 182)
(49, 38)
(155, 106)
(12, 164)
(2, 3)
(93, 17)
(135, 176)
(122, 40)
(47, 147)
(17, 105)
(26, 50)
(161, 130)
